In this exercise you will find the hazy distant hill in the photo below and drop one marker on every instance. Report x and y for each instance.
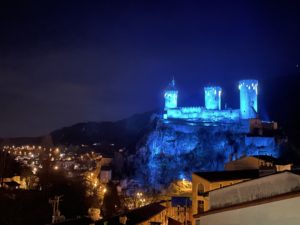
(124, 132)
(279, 100)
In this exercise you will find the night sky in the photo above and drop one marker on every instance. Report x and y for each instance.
(63, 62)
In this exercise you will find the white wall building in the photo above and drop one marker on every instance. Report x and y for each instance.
(273, 199)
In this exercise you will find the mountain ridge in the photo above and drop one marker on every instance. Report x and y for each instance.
(279, 98)
(124, 132)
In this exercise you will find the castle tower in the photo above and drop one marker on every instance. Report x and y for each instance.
(171, 95)
(212, 97)
(248, 98)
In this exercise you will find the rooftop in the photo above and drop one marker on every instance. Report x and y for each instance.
(251, 203)
(12, 184)
(271, 159)
(216, 176)
(135, 216)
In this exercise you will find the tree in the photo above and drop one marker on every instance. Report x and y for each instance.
(111, 202)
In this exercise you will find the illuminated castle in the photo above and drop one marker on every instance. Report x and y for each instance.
(198, 138)
(212, 111)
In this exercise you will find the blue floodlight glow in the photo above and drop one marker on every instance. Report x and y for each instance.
(202, 114)
(197, 138)
(171, 95)
(248, 98)
(212, 111)
(213, 97)
(171, 99)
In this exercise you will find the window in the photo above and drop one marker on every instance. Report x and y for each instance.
(200, 206)
(200, 189)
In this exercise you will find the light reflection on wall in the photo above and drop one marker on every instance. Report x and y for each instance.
(248, 98)
(171, 95)
(202, 114)
(213, 97)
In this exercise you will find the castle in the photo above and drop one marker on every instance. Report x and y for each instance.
(258, 134)
(212, 111)
(187, 139)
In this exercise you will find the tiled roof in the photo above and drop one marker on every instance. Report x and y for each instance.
(135, 216)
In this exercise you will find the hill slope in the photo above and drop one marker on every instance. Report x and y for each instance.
(279, 100)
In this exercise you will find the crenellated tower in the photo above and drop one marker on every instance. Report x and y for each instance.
(212, 97)
(248, 98)
(212, 111)
(171, 95)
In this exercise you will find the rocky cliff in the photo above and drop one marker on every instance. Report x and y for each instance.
(173, 150)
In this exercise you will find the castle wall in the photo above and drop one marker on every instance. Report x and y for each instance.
(200, 113)
(248, 98)
(171, 99)
(212, 96)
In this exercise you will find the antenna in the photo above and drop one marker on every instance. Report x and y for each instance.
(56, 216)
(173, 81)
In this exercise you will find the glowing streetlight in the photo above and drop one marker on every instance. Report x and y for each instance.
(34, 170)
(95, 184)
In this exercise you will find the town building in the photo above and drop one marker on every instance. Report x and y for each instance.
(264, 163)
(105, 174)
(159, 213)
(204, 182)
(15, 182)
(272, 199)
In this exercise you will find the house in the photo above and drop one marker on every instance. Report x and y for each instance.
(159, 213)
(15, 182)
(150, 214)
(272, 199)
(105, 174)
(204, 182)
(264, 163)
(11, 185)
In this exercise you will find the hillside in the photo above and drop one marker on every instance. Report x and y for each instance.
(279, 100)
(124, 133)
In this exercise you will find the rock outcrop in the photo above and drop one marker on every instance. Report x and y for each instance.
(173, 150)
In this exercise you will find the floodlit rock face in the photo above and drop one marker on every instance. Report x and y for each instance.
(173, 150)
